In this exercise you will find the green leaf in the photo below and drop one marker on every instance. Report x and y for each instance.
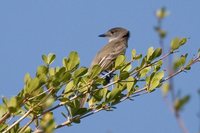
(119, 61)
(60, 72)
(158, 65)
(124, 75)
(162, 33)
(34, 83)
(42, 70)
(73, 61)
(47, 123)
(127, 67)
(156, 53)
(133, 53)
(155, 80)
(51, 58)
(130, 84)
(114, 93)
(137, 57)
(95, 71)
(100, 94)
(97, 97)
(62, 75)
(177, 42)
(74, 107)
(15, 129)
(27, 130)
(12, 105)
(5, 101)
(27, 78)
(69, 87)
(3, 110)
(144, 62)
(3, 127)
(188, 66)
(80, 72)
(80, 111)
(66, 77)
(77, 120)
(65, 62)
(49, 102)
(44, 58)
(145, 71)
(179, 103)
(153, 54)
(165, 89)
(179, 62)
(183, 41)
(150, 52)
(162, 13)
(52, 71)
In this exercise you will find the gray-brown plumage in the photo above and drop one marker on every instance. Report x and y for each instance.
(105, 58)
(118, 42)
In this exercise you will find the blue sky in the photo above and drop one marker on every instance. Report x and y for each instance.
(30, 28)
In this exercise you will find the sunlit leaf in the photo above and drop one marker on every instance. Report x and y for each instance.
(44, 58)
(42, 70)
(119, 61)
(3, 110)
(51, 58)
(155, 80)
(114, 93)
(124, 75)
(95, 71)
(144, 71)
(34, 83)
(165, 89)
(47, 123)
(12, 105)
(130, 84)
(177, 42)
(162, 13)
(27, 78)
(69, 87)
(133, 53)
(73, 61)
(158, 65)
(150, 52)
(180, 103)
(157, 52)
(80, 72)
(179, 62)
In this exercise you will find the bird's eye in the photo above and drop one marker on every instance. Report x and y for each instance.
(111, 32)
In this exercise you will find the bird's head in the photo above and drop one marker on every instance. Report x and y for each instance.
(116, 33)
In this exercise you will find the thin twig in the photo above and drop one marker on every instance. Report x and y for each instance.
(5, 116)
(24, 128)
(26, 114)
(18, 121)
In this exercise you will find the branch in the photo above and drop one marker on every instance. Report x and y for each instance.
(27, 113)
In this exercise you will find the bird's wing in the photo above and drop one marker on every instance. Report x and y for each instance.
(108, 53)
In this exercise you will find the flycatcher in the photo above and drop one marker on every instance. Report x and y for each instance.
(105, 58)
(117, 44)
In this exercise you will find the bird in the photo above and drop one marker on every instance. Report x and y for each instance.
(117, 45)
(106, 56)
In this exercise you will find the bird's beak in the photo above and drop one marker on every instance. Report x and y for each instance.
(103, 35)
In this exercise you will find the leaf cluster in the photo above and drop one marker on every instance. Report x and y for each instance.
(54, 87)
